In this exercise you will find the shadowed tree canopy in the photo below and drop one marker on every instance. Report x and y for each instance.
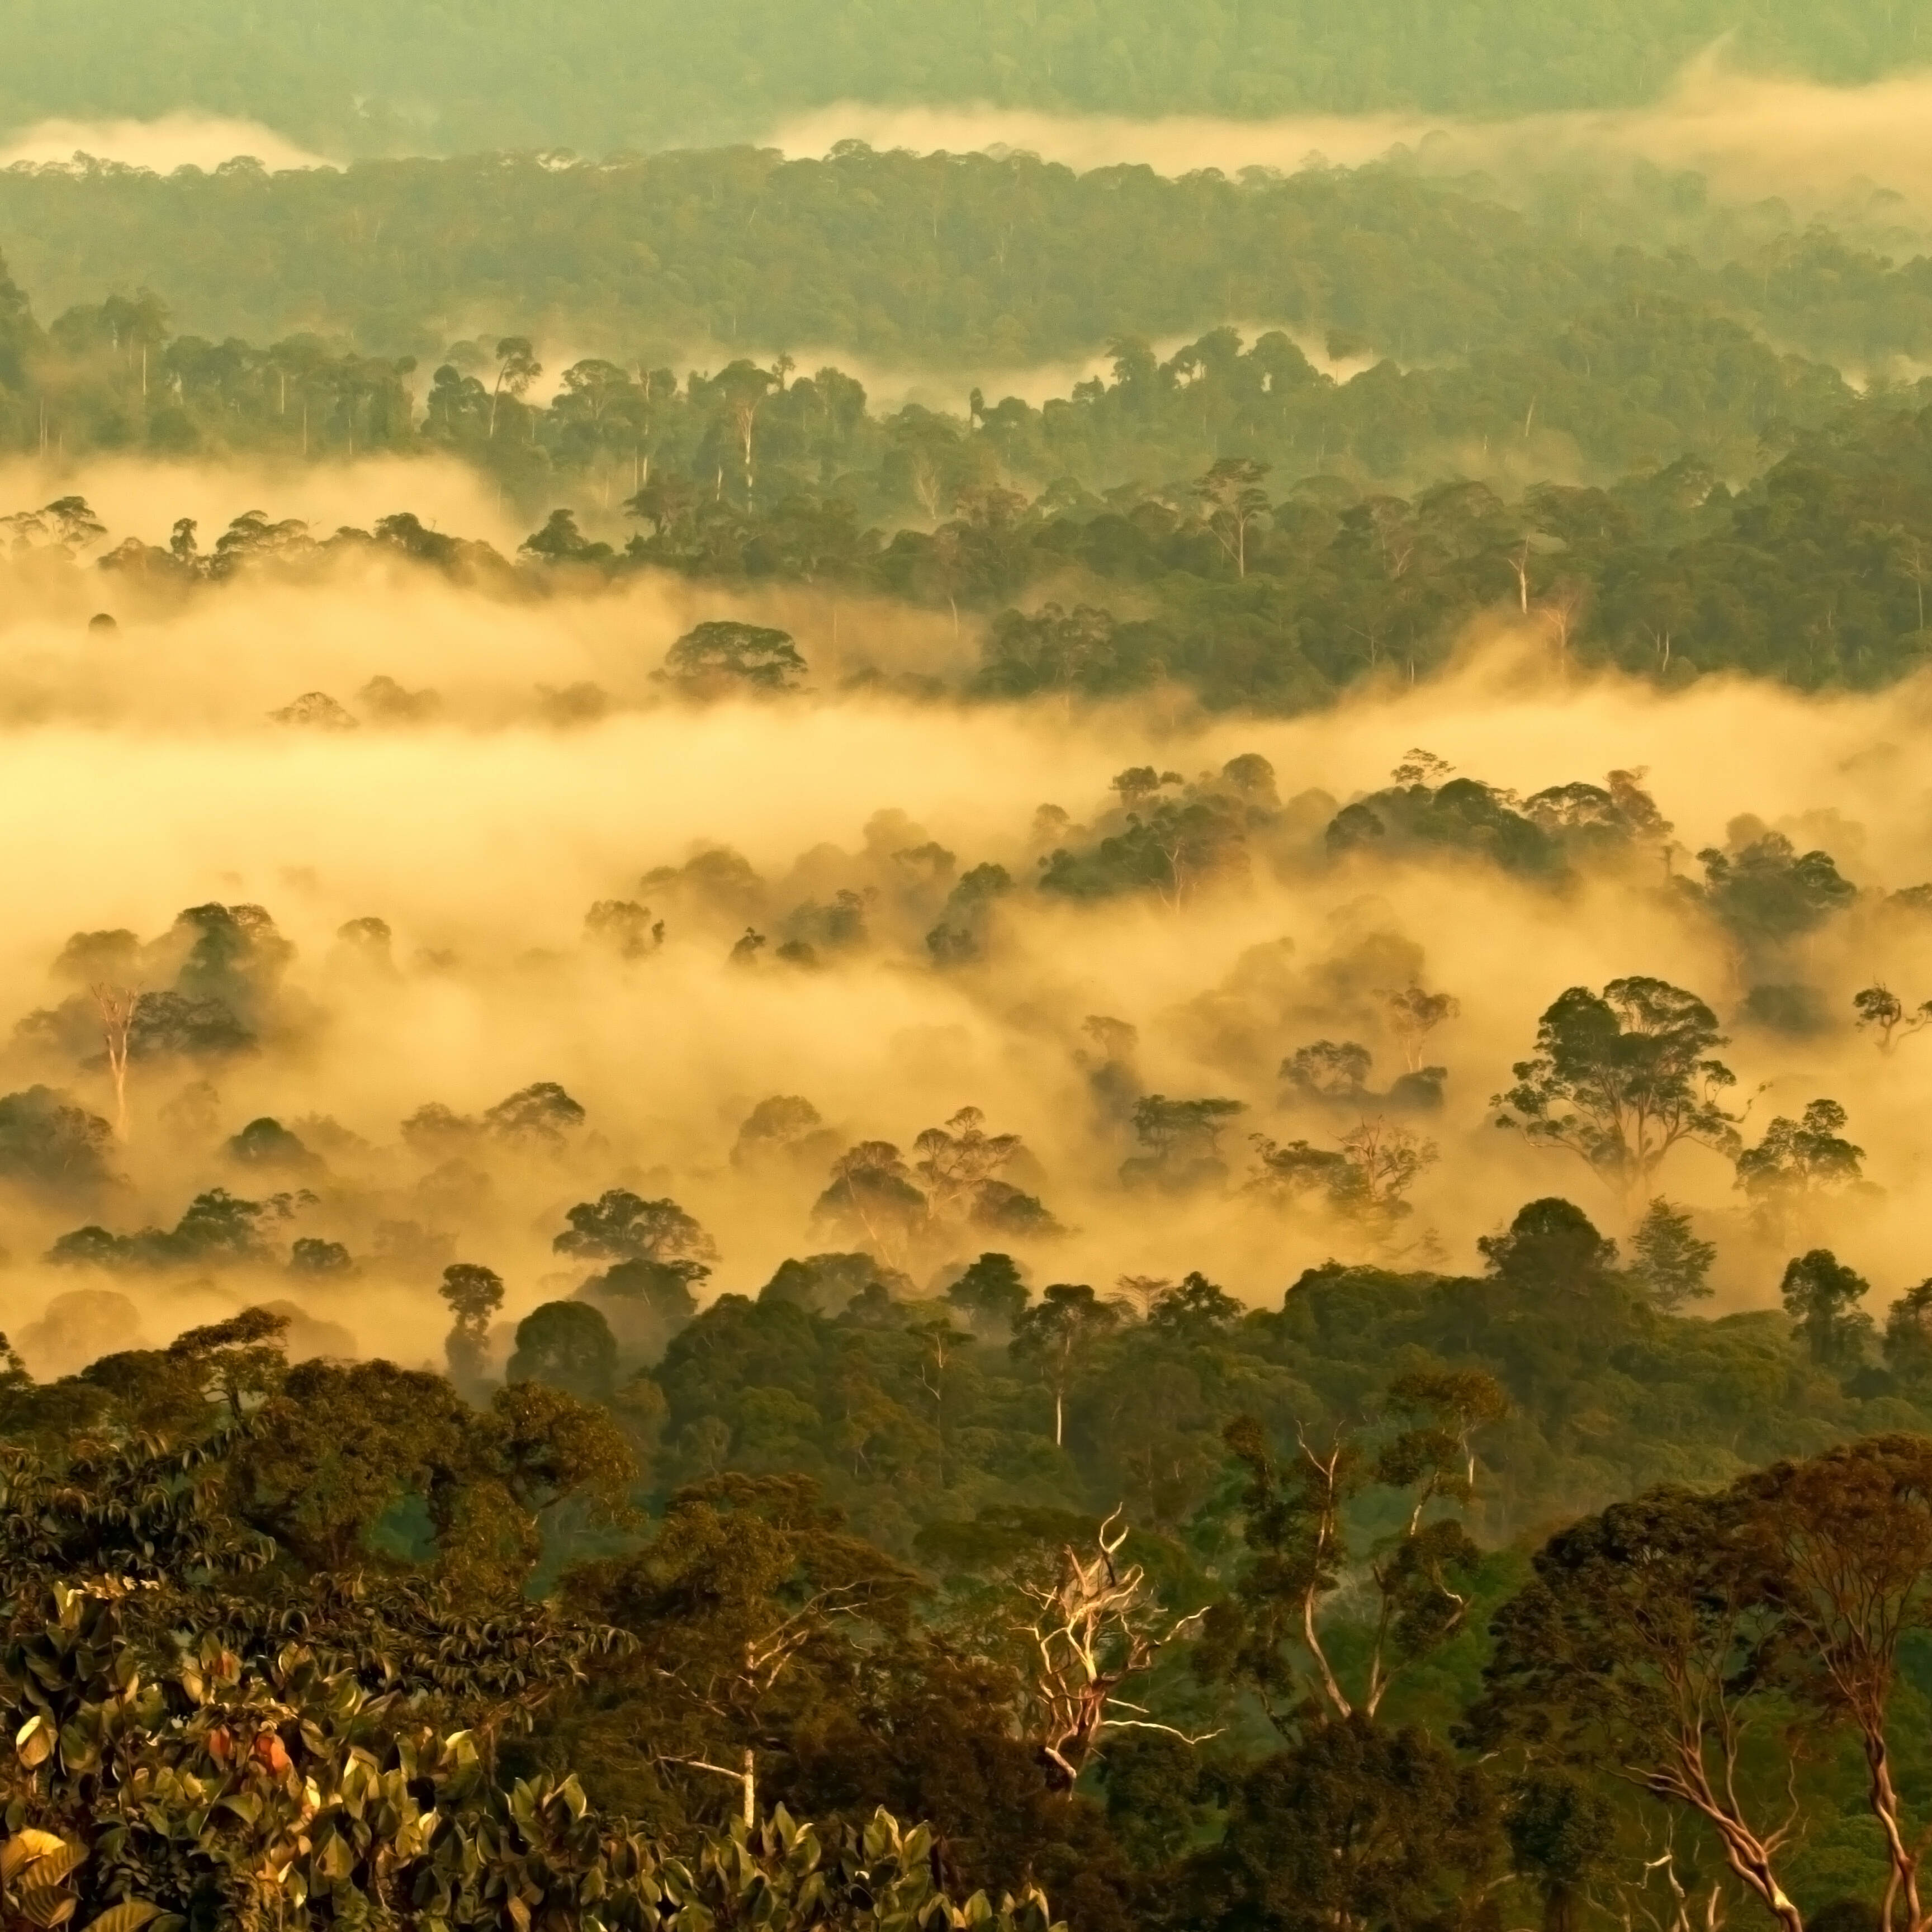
(1619, 1078)
(723, 656)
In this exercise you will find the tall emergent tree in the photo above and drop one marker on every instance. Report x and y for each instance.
(1620, 1078)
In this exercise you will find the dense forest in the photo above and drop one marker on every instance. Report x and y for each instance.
(915, 1042)
(361, 78)
(929, 263)
(1224, 585)
(986, 1504)
(1601, 439)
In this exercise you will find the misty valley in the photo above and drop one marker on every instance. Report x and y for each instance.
(909, 1041)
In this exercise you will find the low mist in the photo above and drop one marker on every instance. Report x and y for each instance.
(1750, 135)
(168, 142)
(480, 829)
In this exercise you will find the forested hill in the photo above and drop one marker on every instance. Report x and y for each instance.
(962, 263)
(361, 77)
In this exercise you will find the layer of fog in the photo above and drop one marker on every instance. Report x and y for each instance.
(1750, 136)
(145, 778)
(142, 496)
(187, 139)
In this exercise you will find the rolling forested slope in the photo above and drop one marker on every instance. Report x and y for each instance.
(942, 262)
(364, 78)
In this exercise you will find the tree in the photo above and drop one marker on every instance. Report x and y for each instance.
(560, 541)
(624, 927)
(1561, 1832)
(170, 1023)
(311, 1256)
(116, 1006)
(1667, 1260)
(1768, 892)
(1908, 1335)
(1330, 1070)
(1821, 1295)
(829, 1285)
(786, 1127)
(474, 1294)
(1881, 1010)
(1193, 1310)
(724, 658)
(662, 1289)
(52, 1144)
(1630, 1652)
(621, 1226)
(646, 1303)
(990, 1293)
(216, 1229)
(957, 1160)
(1620, 1078)
(742, 386)
(1056, 1334)
(872, 1199)
(966, 920)
(265, 1143)
(752, 1607)
(1849, 1534)
(1183, 1141)
(516, 368)
(1414, 1015)
(1138, 785)
(336, 1446)
(1797, 1162)
(1233, 500)
(1353, 1825)
(1094, 1627)
(1551, 1248)
(569, 1344)
(1267, 1635)
(540, 1116)
(1364, 1181)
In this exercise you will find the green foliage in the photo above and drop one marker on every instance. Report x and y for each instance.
(568, 1344)
(990, 1292)
(204, 1784)
(1668, 1260)
(1621, 1077)
(1055, 1333)
(1296, 1509)
(1821, 1294)
(722, 657)
(216, 1229)
(1635, 355)
(49, 1143)
(601, 78)
(1797, 1162)
(621, 1226)
(1357, 1824)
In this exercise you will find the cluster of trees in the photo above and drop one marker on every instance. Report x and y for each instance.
(225, 1707)
(1255, 589)
(1258, 593)
(1619, 1077)
(1444, 1591)
(1194, 1616)
(1561, 334)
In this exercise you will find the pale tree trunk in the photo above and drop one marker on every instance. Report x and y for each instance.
(116, 1005)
